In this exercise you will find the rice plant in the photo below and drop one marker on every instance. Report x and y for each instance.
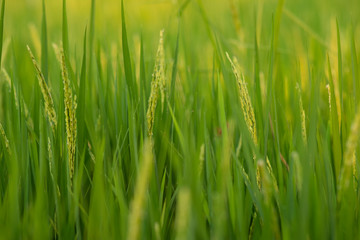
(179, 119)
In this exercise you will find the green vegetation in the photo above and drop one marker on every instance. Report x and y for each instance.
(183, 119)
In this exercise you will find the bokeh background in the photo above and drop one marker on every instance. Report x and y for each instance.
(23, 19)
(305, 25)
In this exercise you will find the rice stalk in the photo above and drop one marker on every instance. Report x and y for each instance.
(329, 93)
(91, 154)
(265, 181)
(9, 82)
(5, 139)
(246, 106)
(258, 175)
(28, 118)
(335, 67)
(267, 191)
(158, 81)
(302, 115)
(70, 115)
(238, 148)
(251, 228)
(57, 52)
(271, 172)
(51, 157)
(350, 157)
(244, 99)
(51, 162)
(142, 181)
(201, 159)
(48, 101)
(161, 69)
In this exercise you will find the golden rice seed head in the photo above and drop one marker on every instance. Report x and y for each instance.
(58, 190)
(49, 104)
(161, 68)
(250, 110)
(244, 99)
(150, 115)
(260, 165)
(49, 149)
(74, 127)
(352, 140)
(258, 174)
(251, 230)
(70, 115)
(137, 203)
(302, 114)
(92, 156)
(6, 77)
(26, 110)
(351, 145)
(201, 159)
(158, 80)
(8, 80)
(268, 165)
(57, 51)
(73, 119)
(5, 139)
(183, 213)
(258, 177)
(50, 159)
(271, 172)
(238, 148)
(245, 175)
(28, 118)
(266, 185)
(355, 177)
(303, 126)
(329, 93)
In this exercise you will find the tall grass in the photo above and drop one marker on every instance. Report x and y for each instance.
(110, 130)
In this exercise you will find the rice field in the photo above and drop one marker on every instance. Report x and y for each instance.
(179, 119)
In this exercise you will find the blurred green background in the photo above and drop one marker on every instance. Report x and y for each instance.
(305, 25)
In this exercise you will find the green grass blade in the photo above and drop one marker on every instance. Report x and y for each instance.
(143, 83)
(174, 68)
(127, 57)
(354, 70)
(258, 96)
(269, 90)
(337, 149)
(2, 28)
(341, 88)
(65, 31)
(340, 72)
(82, 96)
(44, 43)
